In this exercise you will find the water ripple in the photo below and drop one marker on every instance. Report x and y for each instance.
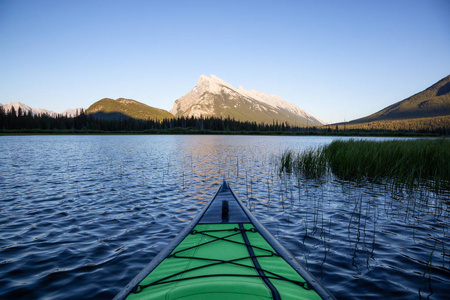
(80, 216)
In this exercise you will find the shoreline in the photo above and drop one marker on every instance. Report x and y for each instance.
(179, 131)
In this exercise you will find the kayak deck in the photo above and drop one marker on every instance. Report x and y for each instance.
(225, 253)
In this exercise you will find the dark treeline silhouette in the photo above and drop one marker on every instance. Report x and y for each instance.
(18, 121)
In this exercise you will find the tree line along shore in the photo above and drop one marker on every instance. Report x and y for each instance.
(14, 122)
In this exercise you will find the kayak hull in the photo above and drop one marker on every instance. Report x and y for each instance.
(224, 253)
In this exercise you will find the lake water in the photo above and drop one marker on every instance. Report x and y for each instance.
(80, 216)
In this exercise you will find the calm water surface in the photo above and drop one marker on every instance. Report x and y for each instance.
(80, 216)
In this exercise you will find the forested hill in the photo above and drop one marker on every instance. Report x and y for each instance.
(110, 109)
(432, 102)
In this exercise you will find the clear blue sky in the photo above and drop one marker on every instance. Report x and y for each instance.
(335, 59)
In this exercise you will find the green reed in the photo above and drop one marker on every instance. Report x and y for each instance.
(400, 162)
(310, 163)
(287, 161)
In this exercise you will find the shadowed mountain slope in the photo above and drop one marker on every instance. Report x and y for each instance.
(432, 102)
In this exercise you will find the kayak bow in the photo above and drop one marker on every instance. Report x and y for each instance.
(224, 253)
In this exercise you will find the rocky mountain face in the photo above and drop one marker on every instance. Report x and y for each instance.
(213, 97)
(38, 111)
(432, 102)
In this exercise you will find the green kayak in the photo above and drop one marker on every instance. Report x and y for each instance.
(224, 253)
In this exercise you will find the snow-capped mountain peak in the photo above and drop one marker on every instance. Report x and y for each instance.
(213, 96)
(25, 109)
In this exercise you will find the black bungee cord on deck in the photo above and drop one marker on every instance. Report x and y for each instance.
(262, 273)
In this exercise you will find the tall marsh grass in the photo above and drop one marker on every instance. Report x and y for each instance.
(400, 162)
(309, 163)
(312, 163)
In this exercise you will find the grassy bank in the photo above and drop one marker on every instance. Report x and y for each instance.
(410, 163)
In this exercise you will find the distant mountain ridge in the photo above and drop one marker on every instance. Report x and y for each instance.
(107, 108)
(431, 102)
(213, 97)
(39, 111)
